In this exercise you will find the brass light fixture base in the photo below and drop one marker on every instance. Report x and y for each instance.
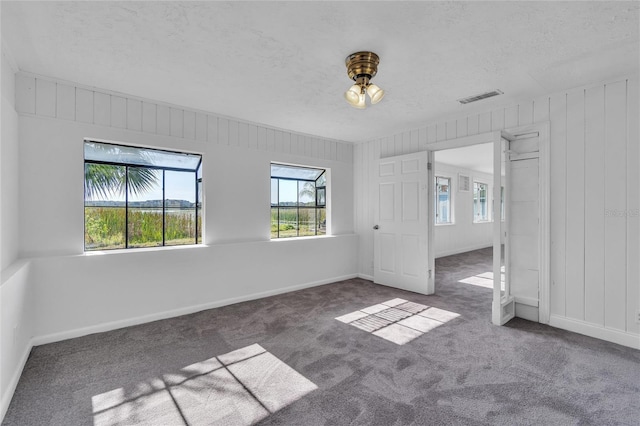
(362, 64)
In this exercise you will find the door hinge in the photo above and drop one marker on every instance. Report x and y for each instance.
(429, 273)
(429, 165)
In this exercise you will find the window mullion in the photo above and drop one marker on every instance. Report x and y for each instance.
(164, 216)
(126, 207)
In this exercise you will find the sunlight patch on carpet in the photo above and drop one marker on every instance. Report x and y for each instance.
(484, 279)
(398, 320)
(241, 387)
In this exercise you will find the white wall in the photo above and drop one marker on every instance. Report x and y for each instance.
(77, 293)
(595, 230)
(462, 235)
(16, 302)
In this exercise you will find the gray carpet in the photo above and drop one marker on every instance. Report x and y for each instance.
(465, 371)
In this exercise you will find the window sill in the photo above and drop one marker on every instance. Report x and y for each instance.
(444, 224)
(143, 249)
(310, 237)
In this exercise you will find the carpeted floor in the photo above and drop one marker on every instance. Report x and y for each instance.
(465, 371)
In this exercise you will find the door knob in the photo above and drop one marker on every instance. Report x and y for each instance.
(376, 227)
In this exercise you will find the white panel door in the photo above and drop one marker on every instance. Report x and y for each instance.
(401, 229)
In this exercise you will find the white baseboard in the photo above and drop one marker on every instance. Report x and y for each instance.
(113, 325)
(462, 250)
(15, 378)
(616, 336)
(365, 277)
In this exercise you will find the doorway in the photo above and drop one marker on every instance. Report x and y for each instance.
(512, 152)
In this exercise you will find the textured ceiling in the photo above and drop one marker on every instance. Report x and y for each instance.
(282, 63)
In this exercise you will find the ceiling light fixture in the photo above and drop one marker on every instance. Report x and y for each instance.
(361, 68)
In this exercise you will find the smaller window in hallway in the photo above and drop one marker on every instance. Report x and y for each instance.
(298, 201)
(480, 206)
(443, 200)
(140, 197)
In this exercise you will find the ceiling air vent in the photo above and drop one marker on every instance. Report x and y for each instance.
(480, 97)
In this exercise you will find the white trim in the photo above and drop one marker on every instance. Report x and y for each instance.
(113, 325)
(616, 336)
(15, 378)
(365, 277)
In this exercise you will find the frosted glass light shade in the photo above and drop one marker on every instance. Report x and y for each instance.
(361, 102)
(375, 93)
(353, 95)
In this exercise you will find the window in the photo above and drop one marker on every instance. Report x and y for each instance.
(298, 201)
(443, 200)
(140, 197)
(480, 206)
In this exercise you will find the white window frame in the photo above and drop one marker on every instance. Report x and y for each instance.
(451, 201)
(473, 202)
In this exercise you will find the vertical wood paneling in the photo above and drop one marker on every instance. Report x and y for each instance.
(558, 160)
(462, 127)
(294, 143)
(102, 109)
(163, 120)
(189, 129)
(149, 117)
(593, 203)
(615, 205)
(633, 207)
(271, 140)
(406, 142)
(223, 131)
(177, 122)
(541, 110)
(201, 127)
(333, 155)
(497, 119)
(243, 135)
(286, 142)
(397, 144)
(432, 134)
(45, 98)
(525, 113)
(118, 112)
(134, 114)
(253, 136)
(315, 149)
(441, 131)
(25, 94)
(212, 129)
(575, 205)
(279, 140)
(484, 122)
(414, 144)
(472, 125)
(386, 149)
(234, 133)
(349, 151)
(422, 138)
(511, 116)
(84, 105)
(451, 128)
(66, 102)
(262, 138)
(308, 146)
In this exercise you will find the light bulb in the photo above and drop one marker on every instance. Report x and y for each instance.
(375, 93)
(353, 95)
